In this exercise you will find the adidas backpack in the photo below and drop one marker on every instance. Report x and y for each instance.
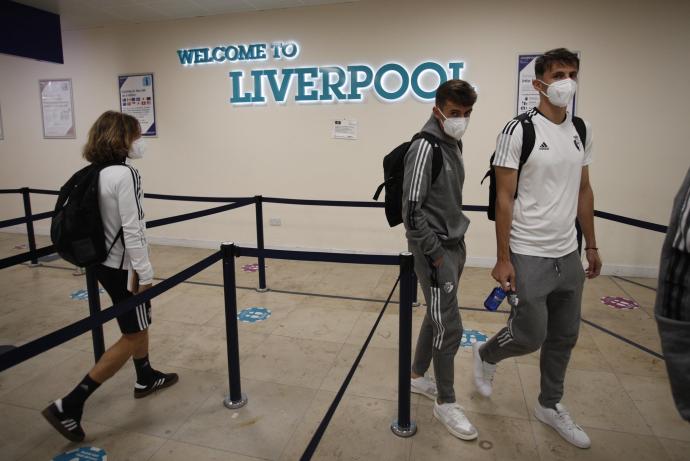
(76, 229)
(528, 139)
(394, 170)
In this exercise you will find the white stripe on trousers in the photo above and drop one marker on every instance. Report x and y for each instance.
(436, 316)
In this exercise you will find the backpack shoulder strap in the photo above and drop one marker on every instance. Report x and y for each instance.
(528, 135)
(437, 159)
(581, 129)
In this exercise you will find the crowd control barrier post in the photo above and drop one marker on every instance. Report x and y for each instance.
(403, 426)
(258, 205)
(94, 308)
(29, 225)
(235, 399)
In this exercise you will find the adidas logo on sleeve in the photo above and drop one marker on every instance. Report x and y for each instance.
(544, 146)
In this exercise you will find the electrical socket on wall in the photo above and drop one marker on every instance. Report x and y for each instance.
(276, 222)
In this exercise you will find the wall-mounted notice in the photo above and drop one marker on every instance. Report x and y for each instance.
(527, 96)
(57, 108)
(136, 99)
(344, 129)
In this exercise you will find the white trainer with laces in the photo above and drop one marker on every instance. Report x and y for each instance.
(563, 423)
(483, 372)
(453, 417)
(424, 385)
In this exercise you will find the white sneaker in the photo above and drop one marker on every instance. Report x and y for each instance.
(424, 385)
(483, 372)
(453, 417)
(561, 421)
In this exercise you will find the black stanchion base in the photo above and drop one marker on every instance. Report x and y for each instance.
(404, 431)
(262, 290)
(235, 404)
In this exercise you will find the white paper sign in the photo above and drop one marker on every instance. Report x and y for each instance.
(136, 99)
(344, 129)
(527, 96)
(57, 108)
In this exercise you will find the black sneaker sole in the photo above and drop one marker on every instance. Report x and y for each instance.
(55, 422)
(139, 394)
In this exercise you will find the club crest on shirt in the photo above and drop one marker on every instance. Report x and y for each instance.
(576, 141)
(448, 287)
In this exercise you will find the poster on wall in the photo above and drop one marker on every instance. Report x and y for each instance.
(527, 96)
(57, 108)
(136, 99)
(344, 129)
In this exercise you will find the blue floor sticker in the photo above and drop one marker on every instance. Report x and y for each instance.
(470, 337)
(83, 454)
(253, 314)
(82, 294)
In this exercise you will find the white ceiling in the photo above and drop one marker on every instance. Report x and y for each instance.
(81, 14)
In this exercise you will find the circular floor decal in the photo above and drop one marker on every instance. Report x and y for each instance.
(83, 454)
(82, 294)
(251, 267)
(470, 337)
(253, 314)
(617, 302)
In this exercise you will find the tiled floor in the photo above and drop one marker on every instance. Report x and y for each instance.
(294, 363)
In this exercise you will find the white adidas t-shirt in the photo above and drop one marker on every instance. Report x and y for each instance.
(546, 205)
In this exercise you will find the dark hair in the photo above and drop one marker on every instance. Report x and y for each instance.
(110, 137)
(457, 91)
(555, 56)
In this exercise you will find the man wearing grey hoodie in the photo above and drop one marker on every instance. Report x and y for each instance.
(436, 226)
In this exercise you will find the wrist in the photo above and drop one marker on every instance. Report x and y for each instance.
(591, 249)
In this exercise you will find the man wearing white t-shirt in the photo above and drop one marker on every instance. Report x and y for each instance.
(536, 240)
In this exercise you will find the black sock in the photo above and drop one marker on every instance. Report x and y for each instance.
(74, 401)
(144, 370)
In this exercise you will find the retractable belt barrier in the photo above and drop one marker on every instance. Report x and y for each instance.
(402, 426)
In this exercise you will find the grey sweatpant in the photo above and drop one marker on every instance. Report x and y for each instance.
(547, 316)
(441, 331)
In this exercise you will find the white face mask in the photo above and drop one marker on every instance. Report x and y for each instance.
(560, 93)
(454, 126)
(138, 149)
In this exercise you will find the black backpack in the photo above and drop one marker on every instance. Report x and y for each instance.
(394, 170)
(76, 229)
(528, 139)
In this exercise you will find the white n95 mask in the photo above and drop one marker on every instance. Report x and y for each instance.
(560, 93)
(137, 150)
(455, 126)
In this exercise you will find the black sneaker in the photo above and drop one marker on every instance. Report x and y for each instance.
(67, 425)
(160, 381)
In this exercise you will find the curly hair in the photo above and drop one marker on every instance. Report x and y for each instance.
(110, 137)
(551, 57)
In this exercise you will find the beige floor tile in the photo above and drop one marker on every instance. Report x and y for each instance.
(205, 349)
(304, 431)
(178, 451)
(499, 438)
(652, 396)
(624, 358)
(677, 450)
(261, 429)
(353, 436)
(595, 399)
(24, 372)
(119, 444)
(293, 361)
(317, 323)
(22, 430)
(606, 446)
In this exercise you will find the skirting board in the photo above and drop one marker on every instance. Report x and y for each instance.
(608, 269)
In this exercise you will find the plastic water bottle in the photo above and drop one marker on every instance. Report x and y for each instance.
(495, 298)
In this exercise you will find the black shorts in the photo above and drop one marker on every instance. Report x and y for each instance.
(115, 283)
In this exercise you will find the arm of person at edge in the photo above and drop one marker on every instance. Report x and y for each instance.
(416, 225)
(506, 183)
(585, 216)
